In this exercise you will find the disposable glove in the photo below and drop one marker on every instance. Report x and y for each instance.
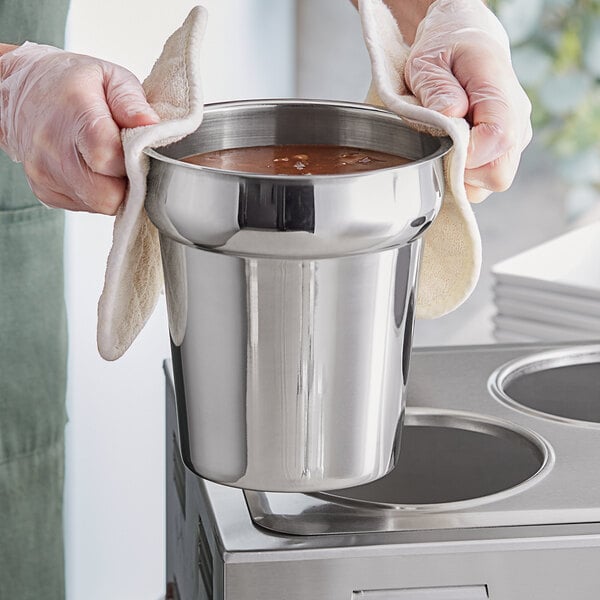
(61, 115)
(459, 64)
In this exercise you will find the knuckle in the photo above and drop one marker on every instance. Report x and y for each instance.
(36, 174)
(123, 88)
(32, 172)
(44, 138)
(42, 194)
(78, 89)
(506, 138)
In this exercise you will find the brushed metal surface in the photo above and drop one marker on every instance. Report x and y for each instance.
(568, 492)
(510, 561)
(471, 592)
(451, 460)
(562, 385)
(291, 299)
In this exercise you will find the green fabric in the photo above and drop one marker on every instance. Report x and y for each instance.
(33, 348)
(31, 552)
(32, 392)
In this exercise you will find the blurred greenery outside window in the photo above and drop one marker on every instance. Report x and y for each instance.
(556, 55)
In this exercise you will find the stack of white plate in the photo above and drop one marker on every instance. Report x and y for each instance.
(550, 292)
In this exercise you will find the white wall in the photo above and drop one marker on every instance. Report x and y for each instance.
(115, 449)
(332, 61)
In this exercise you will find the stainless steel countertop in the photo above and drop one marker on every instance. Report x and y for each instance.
(564, 504)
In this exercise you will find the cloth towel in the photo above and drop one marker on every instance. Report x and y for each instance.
(133, 279)
(451, 259)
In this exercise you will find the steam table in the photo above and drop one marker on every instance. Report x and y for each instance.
(496, 495)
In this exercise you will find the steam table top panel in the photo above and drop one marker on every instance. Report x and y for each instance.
(471, 455)
(508, 507)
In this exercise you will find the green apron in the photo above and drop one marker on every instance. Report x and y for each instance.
(33, 348)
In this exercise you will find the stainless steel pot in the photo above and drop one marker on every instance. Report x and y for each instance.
(291, 299)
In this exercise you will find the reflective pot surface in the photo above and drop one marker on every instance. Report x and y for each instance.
(291, 299)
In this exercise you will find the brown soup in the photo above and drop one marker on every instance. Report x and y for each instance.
(297, 159)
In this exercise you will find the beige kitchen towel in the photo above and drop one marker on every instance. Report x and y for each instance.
(451, 259)
(133, 279)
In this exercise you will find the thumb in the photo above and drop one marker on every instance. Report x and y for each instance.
(431, 80)
(126, 99)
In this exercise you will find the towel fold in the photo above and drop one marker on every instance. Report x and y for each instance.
(451, 259)
(133, 279)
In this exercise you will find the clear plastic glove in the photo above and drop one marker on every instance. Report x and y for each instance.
(460, 65)
(61, 115)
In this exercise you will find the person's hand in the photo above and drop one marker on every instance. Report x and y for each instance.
(61, 115)
(459, 64)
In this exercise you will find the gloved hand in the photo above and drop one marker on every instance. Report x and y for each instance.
(460, 65)
(61, 115)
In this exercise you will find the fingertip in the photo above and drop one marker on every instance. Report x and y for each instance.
(140, 117)
(476, 195)
(453, 110)
(451, 102)
(135, 118)
(487, 143)
(451, 105)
